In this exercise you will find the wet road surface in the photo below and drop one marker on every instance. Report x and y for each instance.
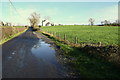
(28, 56)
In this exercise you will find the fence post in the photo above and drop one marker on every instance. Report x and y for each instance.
(55, 34)
(64, 36)
(99, 44)
(51, 33)
(76, 40)
(58, 35)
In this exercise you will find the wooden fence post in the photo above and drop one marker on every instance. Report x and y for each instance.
(64, 36)
(55, 34)
(58, 35)
(51, 33)
(99, 44)
(76, 40)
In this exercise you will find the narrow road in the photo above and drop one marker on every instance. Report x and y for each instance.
(28, 56)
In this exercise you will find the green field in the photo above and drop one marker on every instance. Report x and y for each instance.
(87, 65)
(89, 34)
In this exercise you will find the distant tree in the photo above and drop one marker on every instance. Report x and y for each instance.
(102, 22)
(43, 22)
(2, 23)
(7, 24)
(116, 23)
(119, 21)
(39, 26)
(34, 19)
(106, 22)
(10, 24)
(52, 24)
(60, 24)
(47, 18)
(91, 20)
(26, 26)
(47, 24)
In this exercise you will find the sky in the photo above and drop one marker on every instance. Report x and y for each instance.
(62, 0)
(60, 12)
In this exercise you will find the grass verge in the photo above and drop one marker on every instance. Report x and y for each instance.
(10, 37)
(87, 66)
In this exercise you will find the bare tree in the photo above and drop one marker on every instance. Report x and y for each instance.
(106, 22)
(7, 24)
(10, 24)
(117, 22)
(34, 19)
(2, 23)
(47, 18)
(91, 20)
(102, 22)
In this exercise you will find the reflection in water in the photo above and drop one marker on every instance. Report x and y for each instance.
(47, 54)
(21, 54)
(43, 51)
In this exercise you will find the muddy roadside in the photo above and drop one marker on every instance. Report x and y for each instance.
(62, 59)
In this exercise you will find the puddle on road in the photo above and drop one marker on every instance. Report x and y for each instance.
(44, 52)
(47, 54)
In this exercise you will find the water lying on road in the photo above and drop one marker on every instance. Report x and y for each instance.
(44, 52)
(47, 54)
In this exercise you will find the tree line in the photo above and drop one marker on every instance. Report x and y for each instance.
(34, 20)
(105, 22)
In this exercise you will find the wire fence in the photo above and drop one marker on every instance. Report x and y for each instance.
(75, 41)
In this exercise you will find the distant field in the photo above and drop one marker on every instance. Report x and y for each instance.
(91, 34)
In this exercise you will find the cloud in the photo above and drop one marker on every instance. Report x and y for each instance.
(22, 17)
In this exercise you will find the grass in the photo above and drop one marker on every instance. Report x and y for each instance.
(88, 66)
(9, 37)
(107, 35)
(11, 26)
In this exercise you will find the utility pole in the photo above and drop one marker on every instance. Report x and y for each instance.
(10, 18)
